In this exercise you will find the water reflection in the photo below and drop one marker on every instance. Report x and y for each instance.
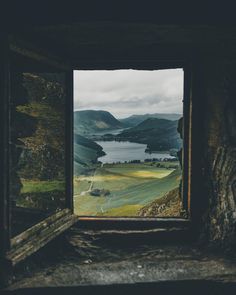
(121, 151)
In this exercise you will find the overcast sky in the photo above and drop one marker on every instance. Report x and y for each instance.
(128, 92)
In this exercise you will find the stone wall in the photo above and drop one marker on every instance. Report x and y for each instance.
(219, 155)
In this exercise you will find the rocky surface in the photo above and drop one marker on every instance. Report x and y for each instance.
(169, 205)
(113, 257)
(219, 173)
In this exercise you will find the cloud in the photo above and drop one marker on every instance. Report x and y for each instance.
(127, 92)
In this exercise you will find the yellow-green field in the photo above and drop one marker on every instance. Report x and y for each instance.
(130, 186)
(123, 189)
(30, 186)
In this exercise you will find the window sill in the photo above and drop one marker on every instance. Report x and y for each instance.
(132, 223)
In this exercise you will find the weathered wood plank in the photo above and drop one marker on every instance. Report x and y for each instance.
(69, 137)
(36, 229)
(186, 161)
(4, 134)
(16, 255)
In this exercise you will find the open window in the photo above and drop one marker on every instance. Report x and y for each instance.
(94, 203)
(38, 152)
(37, 155)
(128, 143)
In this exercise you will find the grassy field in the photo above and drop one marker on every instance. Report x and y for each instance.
(131, 187)
(35, 186)
(43, 195)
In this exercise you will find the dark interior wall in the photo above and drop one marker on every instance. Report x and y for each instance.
(219, 154)
(214, 87)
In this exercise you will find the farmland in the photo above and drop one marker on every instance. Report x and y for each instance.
(128, 187)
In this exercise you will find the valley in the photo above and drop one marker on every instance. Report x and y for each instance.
(128, 188)
(113, 173)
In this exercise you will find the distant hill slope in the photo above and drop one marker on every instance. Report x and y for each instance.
(137, 119)
(89, 121)
(158, 134)
(86, 153)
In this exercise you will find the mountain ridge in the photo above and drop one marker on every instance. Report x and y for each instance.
(134, 120)
(158, 134)
(89, 121)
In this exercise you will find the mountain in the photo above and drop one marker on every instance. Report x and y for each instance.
(158, 134)
(86, 153)
(89, 121)
(137, 119)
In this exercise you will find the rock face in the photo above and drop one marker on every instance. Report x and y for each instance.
(44, 154)
(26, 128)
(219, 173)
(37, 141)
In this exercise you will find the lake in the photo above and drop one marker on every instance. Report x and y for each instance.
(121, 151)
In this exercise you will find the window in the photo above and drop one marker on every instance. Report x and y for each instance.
(128, 143)
(37, 154)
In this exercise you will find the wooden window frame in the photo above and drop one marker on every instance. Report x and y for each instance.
(145, 223)
(14, 249)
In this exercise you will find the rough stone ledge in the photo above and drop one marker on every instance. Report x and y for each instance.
(86, 259)
(167, 287)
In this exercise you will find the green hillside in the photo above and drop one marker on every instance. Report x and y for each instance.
(86, 153)
(137, 119)
(131, 187)
(88, 122)
(158, 134)
(121, 189)
(81, 140)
